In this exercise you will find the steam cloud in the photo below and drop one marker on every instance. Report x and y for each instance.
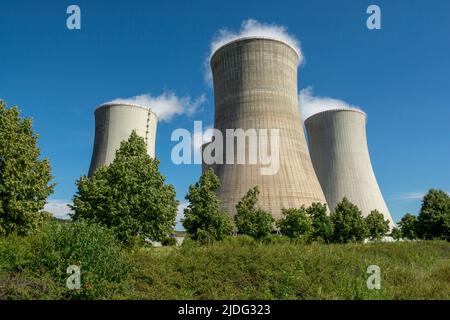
(251, 28)
(167, 105)
(310, 105)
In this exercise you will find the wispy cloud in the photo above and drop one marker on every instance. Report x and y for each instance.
(59, 208)
(411, 196)
(250, 28)
(166, 105)
(310, 104)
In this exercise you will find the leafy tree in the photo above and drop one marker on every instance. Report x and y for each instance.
(24, 177)
(408, 226)
(377, 227)
(203, 218)
(296, 223)
(251, 220)
(348, 222)
(434, 216)
(129, 196)
(396, 233)
(321, 222)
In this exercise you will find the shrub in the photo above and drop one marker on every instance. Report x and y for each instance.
(24, 177)
(408, 226)
(348, 223)
(377, 227)
(296, 223)
(251, 220)
(203, 218)
(129, 196)
(169, 241)
(321, 222)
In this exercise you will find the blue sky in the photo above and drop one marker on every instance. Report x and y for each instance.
(398, 75)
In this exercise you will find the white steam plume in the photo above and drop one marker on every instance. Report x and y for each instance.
(166, 105)
(310, 105)
(251, 28)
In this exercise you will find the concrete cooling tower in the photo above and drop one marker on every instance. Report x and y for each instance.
(114, 123)
(339, 152)
(255, 87)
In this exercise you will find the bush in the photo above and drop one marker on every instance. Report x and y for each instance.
(251, 220)
(129, 196)
(296, 223)
(348, 222)
(321, 222)
(169, 241)
(377, 227)
(408, 226)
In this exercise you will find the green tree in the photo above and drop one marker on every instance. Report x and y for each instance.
(251, 220)
(434, 217)
(203, 218)
(24, 177)
(295, 223)
(396, 233)
(348, 223)
(129, 196)
(377, 227)
(408, 226)
(321, 222)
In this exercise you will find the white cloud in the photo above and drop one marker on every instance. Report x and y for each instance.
(59, 208)
(166, 105)
(413, 196)
(310, 104)
(250, 28)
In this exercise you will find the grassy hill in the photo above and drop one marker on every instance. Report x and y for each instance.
(35, 268)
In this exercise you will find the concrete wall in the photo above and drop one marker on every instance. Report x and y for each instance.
(255, 86)
(338, 147)
(114, 123)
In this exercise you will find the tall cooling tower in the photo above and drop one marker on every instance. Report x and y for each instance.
(255, 87)
(338, 147)
(114, 123)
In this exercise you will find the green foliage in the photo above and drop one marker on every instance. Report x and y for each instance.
(396, 233)
(295, 223)
(24, 177)
(203, 218)
(321, 222)
(129, 196)
(169, 241)
(377, 227)
(348, 222)
(434, 217)
(251, 220)
(408, 226)
(46, 256)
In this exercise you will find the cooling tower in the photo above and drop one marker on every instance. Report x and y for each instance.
(114, 123)
(339, 152)
(255, 87)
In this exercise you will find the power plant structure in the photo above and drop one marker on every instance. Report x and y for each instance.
(114, 122)
(340, 155)
(255, 87)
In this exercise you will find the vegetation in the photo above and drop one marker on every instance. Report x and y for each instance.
(377, 227)
(296, 223)
(129, 196)
(250, 219)
(434, 216)
(321, 222)
(348, 222)
(24, 177)
(408, 226)
(203, 218)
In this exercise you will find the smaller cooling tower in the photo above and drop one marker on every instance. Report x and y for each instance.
(114, 123)
(340, 156)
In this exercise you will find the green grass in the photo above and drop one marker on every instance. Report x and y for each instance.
(239, 268)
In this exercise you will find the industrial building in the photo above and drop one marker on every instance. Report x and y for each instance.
(255, 87)
(340, 155)
(114, 123)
